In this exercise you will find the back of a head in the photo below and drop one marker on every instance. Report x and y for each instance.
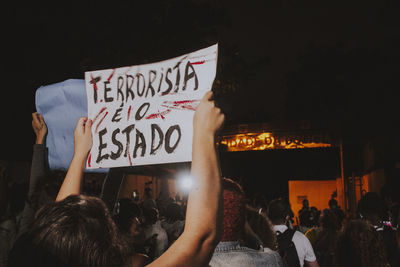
(309, 218)
(234, 210)
(150, 216)
(329, 220)
(148, 192)
(360, 245)
(305, 203)
(127, 210)
(371, 205)
(333, 204)
(77, 231)
(173, 213)
(278, 210)
(262, 227)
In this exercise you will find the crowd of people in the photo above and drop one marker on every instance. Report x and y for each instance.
(217, 225)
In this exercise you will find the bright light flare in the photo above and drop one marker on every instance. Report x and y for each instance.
(185, 183)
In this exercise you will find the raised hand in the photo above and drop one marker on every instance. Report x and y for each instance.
(83, 142)
(83, 137)
(208, 119)
(39, 127)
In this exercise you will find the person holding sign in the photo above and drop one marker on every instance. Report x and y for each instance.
(77, 230)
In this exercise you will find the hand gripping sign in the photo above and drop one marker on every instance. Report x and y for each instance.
(144, 114)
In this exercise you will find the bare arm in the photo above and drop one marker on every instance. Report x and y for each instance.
(204, 211)
(83, 142)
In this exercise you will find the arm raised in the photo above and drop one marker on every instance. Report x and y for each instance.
(204, 210)
(82, 144)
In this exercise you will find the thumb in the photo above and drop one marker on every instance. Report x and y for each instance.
(80, 125)
(208, 96)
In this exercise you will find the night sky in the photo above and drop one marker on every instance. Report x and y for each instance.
(289, 61)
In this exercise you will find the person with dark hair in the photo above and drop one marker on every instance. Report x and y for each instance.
(371, 207)
(156, 238)
(148, 201)
(230, 252)
(52, 241)
(360, 245)
(127, 219)
(306, 206)
(262, 229)
(259, 202)
(308, 217)
(174, 222)
(325, 241)
(293, 246)
(78, 231)
(10, 227)
(127, 216)
(335, 208)
(40, 180)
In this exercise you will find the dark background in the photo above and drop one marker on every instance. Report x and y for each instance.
(336, 63)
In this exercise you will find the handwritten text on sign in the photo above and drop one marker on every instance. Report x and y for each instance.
(144, 114)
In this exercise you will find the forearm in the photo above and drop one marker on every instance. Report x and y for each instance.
(83, 143)
(195, 245)
(204, 210)
(204, 199)
(38, 168)
(73, 180)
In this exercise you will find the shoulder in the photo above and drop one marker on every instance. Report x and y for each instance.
(299, 235)
(158, 228)
(246, 257)
(300, 239)
(273, 254)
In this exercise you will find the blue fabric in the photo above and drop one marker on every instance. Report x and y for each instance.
(61, 105)
(232, 254)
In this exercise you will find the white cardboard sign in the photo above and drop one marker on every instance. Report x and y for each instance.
(144, 114)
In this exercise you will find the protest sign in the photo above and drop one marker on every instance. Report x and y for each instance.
(61, 105)
(144, 114)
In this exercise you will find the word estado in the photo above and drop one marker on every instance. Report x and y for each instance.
(116, 139)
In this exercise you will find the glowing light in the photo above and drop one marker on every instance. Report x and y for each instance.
(185, 183)
(267, 140)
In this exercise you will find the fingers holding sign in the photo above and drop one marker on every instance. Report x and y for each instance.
(208, 118)
(83, 143)
(83, 137)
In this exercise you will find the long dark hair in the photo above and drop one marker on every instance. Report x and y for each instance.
(262, 227)
(360, 245)
(77, 231)
(173, 213)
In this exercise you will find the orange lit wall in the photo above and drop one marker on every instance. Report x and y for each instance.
(318, 193)
(374, 181)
